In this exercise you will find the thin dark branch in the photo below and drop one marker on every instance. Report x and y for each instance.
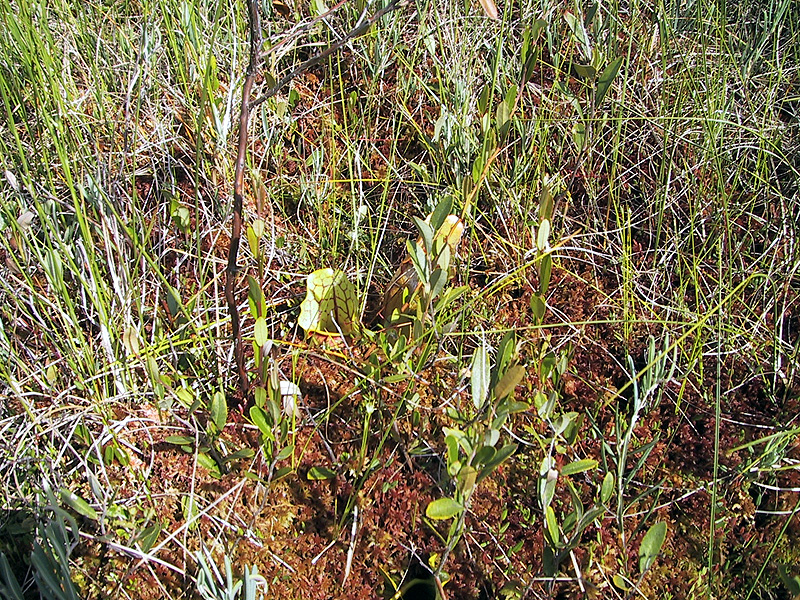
(361, 28)
(302, 29)
(238, 197)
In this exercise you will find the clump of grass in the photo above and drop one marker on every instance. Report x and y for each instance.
(665, 139)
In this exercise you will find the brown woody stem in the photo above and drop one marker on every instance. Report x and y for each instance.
(238, 198)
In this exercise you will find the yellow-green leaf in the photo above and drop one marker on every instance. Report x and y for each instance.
(620, 582)
(509, 381)
(319, 473)
(330, 305)
(538, 308)
(607, 488)
(451, 231)
(552, 527)
(543, 235)
(443, 508)
(261, 331)
(209, 464)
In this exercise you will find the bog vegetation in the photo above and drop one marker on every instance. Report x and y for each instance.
(514, 313)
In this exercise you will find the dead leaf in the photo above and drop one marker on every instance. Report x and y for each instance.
(490, 8)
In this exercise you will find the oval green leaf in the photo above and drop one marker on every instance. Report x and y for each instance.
(441, 211)
(509, 381)
(261, 331)
(651, 545)
(285, 452)
(219, 410)
(483, 456)
(320, 473)
(502, 455)
(545, 268)
(606, 79)
(579, 466)
(480, 376)
(607, 489)
(179, 440)
(242, 454)
(148, 537)
(208, 463)
(552, 531)
(259, 419)
(281, 473)
(443, 508)
(78, 504)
